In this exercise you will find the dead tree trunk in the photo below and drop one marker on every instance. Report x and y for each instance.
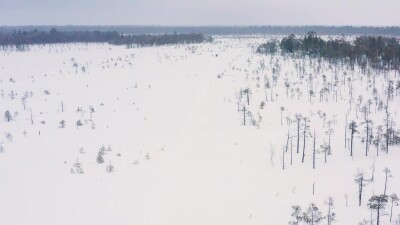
(314, 151)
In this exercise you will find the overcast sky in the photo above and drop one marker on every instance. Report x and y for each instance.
(200, 12)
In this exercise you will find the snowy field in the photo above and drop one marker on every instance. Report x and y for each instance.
(192, 134)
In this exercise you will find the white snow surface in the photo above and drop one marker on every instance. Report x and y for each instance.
(180, 151)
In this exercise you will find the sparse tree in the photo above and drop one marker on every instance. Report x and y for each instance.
(91, 110)
(78, 124)
(387, 130)
(298, 119)
(367, 135)
(9, 136)
(312, 215)
(247, 92)
(325, 149)
(378, 203)
(377, 139)
(78, 167)
(101, 153)
(331, 216)
(296, 214)
(306, 132)
(23, 100)
(314, 150)
(394, 201)
(62, 124)
(7, 116)
(272, 156)
(110, 168)
(329, 132)
(100, 158)
(353, 130)
(361, 183)
(388, 174)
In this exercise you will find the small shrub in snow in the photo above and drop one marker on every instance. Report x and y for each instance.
(9, 136)
(100, 158)
(100, 155)
(110, 168)
(62, 124)
(109, 149)
(77, 167)
(78, 124)
(93, 125)
(82, 151)
(7, 116)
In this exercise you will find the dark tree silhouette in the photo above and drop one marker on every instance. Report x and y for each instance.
(378, 203)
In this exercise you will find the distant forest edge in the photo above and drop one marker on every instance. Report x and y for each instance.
(219, 30)
(54, 36)
(377, 52)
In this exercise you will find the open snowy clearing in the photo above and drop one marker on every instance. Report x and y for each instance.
(177, 150)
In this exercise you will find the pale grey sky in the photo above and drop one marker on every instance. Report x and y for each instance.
(200, 12)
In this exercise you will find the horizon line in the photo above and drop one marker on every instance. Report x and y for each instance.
(186, 26)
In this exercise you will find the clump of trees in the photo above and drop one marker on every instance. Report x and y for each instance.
(20, 39)
(270, 47)
(376, 51)
(312, 215)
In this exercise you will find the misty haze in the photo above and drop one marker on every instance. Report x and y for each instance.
(199, 112)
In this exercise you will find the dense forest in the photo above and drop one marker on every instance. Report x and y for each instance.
(21, 38)
(376, 51)
(220, 30)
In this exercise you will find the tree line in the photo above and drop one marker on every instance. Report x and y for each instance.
(220, 30)
(379, 52)
(22, 38)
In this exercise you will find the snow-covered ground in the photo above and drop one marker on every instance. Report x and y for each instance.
(169, 120)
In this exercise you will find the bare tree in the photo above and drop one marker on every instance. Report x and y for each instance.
(361, 183)
(377, 139)
(387, 132)
(388, 174)
(285, 150)
(314, 150)
(331, 216)
(23, 100)
(306, 128)
(329, 132)
(394, 201)
(244, 115)
(298, 119)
